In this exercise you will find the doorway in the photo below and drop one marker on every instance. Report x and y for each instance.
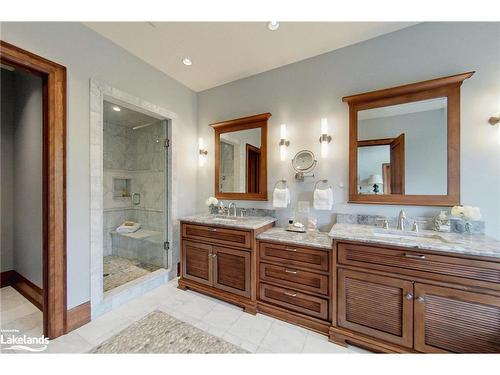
(127, 190)
(50, 293)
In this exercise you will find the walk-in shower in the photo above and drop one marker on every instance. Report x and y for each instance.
(134, 195)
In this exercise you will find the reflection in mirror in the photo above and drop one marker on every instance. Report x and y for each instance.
(402, 149)
(240, 159)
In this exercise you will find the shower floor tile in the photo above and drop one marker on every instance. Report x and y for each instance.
(119, 271)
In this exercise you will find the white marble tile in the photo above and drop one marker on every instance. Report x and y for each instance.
(282, 338)
(104, 327)
(70, 343)
(319, 344)
(222, 317)
(252, 328)
(18, 312)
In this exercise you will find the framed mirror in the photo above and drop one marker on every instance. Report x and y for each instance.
(241, 158)
(404, 144)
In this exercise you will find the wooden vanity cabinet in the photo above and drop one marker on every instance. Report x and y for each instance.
(452, 320)
(220, 262)
(391, 299)
(293, 284)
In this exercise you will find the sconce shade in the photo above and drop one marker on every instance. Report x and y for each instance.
(375, 179)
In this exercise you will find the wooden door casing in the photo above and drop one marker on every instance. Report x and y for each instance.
(452, 320)
(232, 270)
(196, 262)
(377, 306)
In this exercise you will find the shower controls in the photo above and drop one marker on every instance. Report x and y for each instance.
(136, 198)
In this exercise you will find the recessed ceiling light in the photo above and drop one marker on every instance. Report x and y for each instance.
(273, 25)
(116, 108)
(187, 61)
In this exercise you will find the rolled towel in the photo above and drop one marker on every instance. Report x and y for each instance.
(128, 227)
(281, 198)
(323, 199)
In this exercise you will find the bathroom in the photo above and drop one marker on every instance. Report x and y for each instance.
(280, 194)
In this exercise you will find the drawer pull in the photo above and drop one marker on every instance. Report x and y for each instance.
(291, 294)
(213, 229)
(291, 271)
(413, 256)
(290, 249)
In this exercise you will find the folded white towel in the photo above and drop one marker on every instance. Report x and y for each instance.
(128, 228)
(323, 199)
(281, 198)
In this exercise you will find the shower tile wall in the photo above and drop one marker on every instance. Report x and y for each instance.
(137, 155)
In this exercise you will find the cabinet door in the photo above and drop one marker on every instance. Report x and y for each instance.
(196, 264)
(451, 320)
(232, 270)
(376, 306)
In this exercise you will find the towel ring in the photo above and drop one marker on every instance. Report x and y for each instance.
(282, 181)
(324, 181)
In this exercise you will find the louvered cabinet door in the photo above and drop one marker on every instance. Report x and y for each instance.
(196, 262)
(377, 306)
(232, 269)
(451, 320)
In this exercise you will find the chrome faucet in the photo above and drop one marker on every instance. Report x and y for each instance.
(233, 205)
(401, 220)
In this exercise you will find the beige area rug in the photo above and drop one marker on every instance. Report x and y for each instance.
(158, 332)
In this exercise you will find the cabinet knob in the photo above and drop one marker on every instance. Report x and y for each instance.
(420, 299)
(409, 296)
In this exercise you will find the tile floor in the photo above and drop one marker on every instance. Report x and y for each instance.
(119, 271)
(17, 313)
(257, 334)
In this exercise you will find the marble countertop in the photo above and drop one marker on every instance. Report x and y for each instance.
(463, 244)
(312, 239)
(247, 222)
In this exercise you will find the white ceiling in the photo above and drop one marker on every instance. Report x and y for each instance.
(227, 51)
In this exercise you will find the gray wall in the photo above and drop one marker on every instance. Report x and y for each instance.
(302, 93)
(7, 172)
(87, 55)
(425, 147)
(24, 211)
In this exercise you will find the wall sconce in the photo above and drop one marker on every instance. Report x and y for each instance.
(284, 143)
(325, 138)
(495, 121)
(202, 156)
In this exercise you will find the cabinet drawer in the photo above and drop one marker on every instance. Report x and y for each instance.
(377, 257)
(217, 235)
(294, 278)
(290, 255)
(294, 300)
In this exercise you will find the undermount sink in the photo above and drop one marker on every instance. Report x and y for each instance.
(416, 236)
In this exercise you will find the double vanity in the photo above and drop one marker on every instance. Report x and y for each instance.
(381, 289)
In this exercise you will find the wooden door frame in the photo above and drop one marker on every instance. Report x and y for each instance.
(54, 182)
(249, 148)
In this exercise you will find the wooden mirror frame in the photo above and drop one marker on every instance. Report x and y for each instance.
(448, 87)
(244, 123)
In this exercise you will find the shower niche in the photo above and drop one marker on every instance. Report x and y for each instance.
(121, 187)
